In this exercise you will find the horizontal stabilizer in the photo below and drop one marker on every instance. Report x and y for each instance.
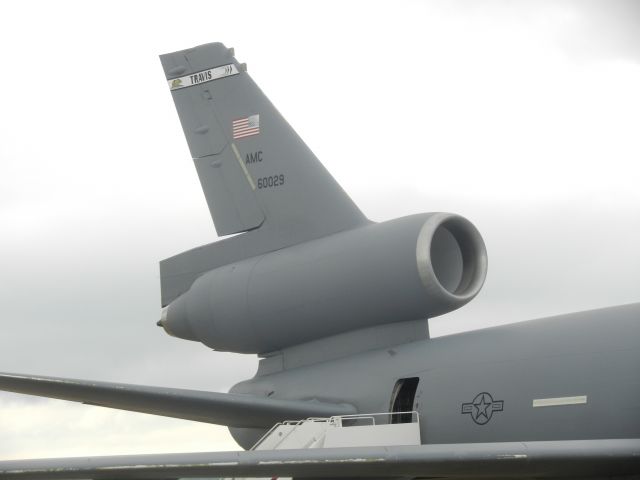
(235, 410)
(559, 459)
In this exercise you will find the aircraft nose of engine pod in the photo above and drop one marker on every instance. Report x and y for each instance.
(163, 317)
(174, 320)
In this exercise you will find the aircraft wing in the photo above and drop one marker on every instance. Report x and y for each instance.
(235, 410)
(558, 459)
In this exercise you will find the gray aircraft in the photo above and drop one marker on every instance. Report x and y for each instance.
(336, 306)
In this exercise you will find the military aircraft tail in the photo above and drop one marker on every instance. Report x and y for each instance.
(255, 170)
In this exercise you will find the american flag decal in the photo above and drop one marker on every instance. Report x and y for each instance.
(245, 127)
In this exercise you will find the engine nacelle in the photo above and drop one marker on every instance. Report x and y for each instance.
(409, 268)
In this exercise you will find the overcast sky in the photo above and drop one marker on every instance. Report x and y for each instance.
(521, 116)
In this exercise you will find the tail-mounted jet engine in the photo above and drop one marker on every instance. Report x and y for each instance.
(413, 267)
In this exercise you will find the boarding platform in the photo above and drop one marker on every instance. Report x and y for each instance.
(361, 430)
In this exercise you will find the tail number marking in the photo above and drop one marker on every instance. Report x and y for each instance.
(271, 181)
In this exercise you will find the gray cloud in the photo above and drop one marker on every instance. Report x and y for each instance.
(584, 29)
(605, 29)
(96, 185)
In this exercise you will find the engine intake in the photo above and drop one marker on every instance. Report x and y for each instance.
(451, 256)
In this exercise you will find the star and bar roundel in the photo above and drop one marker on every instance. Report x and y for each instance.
(482, 407)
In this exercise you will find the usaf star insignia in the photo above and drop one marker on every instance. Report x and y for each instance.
(482, 407)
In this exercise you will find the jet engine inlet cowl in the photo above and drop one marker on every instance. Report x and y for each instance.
(405, 269)
(452, 258)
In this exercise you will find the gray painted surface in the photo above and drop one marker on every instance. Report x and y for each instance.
(309, 201)
(305, 203)
(373, 275)
(311, 277)
(594, 353)
(357, 275)
(209, 407)
(586, 459)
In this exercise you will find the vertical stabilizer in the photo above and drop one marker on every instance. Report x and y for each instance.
(254, 169)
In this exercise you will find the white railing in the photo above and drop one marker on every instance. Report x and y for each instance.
(341, 421)
(338, 419)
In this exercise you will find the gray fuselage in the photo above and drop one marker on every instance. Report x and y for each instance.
(588, 361)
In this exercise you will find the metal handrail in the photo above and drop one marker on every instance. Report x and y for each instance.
(335, 420)
(414, 415)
